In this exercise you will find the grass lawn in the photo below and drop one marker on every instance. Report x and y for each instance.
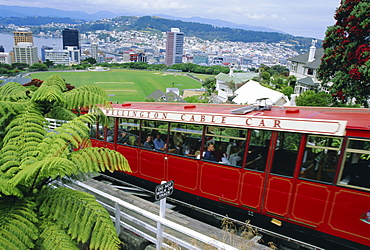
(202, 76)
(126, 85)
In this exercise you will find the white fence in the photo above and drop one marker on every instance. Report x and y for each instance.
(144, 225)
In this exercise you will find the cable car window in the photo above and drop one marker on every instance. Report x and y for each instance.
(228, 144)
(356, 165)
(110, 130)
(320, 159)
(258, 149)
(185, 139)
(154, 135)
(94, 134)
(286, 152)
(128, 131)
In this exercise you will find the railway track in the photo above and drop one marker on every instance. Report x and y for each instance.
(280, 240)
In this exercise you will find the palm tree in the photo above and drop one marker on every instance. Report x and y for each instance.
(33, 213)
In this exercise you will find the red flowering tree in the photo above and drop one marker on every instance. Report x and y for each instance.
(347, 51)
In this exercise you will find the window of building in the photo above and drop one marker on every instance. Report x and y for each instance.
(259, 143)
(356, 165)
(286, 152)
(310, 72)
(321, 158)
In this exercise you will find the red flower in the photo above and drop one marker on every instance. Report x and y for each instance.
(355, 74)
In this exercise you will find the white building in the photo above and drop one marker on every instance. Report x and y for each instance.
(5, 58)
(74, 54)
(304, 68)
(252, 90)
(68, 56)
(25, 53)
(57, 56)
(224, 83)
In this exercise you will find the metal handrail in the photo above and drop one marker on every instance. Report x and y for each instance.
(165, 222)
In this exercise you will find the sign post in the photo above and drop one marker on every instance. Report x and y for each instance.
(161, 192)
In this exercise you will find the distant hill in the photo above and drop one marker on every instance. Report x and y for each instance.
(213, 29)
(18, 11)
(37, 20)
(210, 32)
(221, 23)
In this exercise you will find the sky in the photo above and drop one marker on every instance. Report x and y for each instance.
(309, 18)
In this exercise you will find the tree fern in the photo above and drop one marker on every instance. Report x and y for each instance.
(47, 93)
(77, 98)
(99, 160)
(13, 91)
(54, 237)
(55, 81)
(18, 224)
(7, 189)
(31, 157)
(61, 113)
(81, 215)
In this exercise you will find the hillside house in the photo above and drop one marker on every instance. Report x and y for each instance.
(304, 68)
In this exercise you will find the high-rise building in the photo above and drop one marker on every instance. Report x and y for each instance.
(70, 38)
(94, 51)
(2, 48)
(174, 46)
(25, 53)
(23, 35)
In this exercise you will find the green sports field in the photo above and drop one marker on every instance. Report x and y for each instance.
(126, 85)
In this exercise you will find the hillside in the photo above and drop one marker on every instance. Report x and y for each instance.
(209, 32)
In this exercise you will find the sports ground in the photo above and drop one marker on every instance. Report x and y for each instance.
(126, 85)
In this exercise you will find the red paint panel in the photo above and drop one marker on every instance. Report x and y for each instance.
(97, 143)
(183, 171)
(220, 181)
(132, 155)
(109, 145)
(152, 165)
(278, 195)
(345, 217)
(310, 203)
(251, 190)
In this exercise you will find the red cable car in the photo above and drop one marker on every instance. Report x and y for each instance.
(305, 167)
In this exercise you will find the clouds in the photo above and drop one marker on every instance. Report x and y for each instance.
(298, 17)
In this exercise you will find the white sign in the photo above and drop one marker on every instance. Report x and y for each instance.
(300, 125)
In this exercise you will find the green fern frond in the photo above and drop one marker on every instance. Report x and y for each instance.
(23, 134)
(33, 174)
(54, 237)
(83, 217)
(55, 81)
(8, 110)
(81, 98)
(47, 93)
(14, 91)
(96, 159)
(93, 89)
(7, 189)
(17, 227)
(61, 113)
(74, 132)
